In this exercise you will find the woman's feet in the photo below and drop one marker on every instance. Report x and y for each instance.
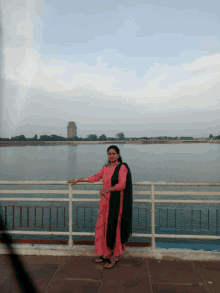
(101, 259)
(111, 262)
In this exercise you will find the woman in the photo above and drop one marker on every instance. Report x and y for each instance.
(114, 223)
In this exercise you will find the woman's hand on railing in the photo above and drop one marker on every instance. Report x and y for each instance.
(73, 181)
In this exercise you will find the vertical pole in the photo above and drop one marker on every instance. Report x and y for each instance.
(208, 219)
(13, 217)
(50, 220)
(91, 217)
(70, 217)
(152, 219)
(175, 221)
(27, 216)
(21, 216)
(42, 217)
(200, 220)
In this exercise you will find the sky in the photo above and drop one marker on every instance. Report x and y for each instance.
(144, 68)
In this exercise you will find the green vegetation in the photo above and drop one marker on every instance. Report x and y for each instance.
(93, 137)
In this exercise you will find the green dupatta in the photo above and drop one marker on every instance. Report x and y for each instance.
(114, 206)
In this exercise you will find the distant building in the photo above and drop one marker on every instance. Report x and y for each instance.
(71, 130)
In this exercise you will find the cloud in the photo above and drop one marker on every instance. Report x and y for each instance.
(207, 43)
(54, 87)
(181, 81)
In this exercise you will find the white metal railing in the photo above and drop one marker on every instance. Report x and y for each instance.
(152, 193)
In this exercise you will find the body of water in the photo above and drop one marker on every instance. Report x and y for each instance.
(152, 163)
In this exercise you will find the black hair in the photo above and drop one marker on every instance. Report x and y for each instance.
(117, 151)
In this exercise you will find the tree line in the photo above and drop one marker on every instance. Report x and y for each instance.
(93, 137)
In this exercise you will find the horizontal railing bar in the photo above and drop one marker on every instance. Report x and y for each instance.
(97, 200)
(64, 191)
(100, 183)
(35, 191)
(48, 199)
(53, 233)
(176, 201)
(186, 201)
(178, 183)
(98, 192)
(178, 192)
(186, 193)
(133, 235)
(186, 236)
(38, 232)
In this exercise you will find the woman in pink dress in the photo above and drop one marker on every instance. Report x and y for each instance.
(114, 223)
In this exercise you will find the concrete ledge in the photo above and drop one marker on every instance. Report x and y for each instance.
(89, 250)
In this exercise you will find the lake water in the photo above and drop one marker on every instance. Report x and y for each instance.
(154, 162)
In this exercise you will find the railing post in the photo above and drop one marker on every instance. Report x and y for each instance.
(152, 219)
(70, 217)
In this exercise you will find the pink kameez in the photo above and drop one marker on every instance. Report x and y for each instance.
(102, 222)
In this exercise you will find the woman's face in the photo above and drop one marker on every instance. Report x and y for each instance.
(112, 155)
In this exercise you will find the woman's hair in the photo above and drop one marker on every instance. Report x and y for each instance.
(117, 151)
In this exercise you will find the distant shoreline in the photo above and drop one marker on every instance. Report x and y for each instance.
(48, 143)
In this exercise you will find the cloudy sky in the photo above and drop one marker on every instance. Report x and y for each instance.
(146, 68)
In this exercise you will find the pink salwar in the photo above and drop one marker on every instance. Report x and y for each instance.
(102, 222)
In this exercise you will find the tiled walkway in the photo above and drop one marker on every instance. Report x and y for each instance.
(82, 274)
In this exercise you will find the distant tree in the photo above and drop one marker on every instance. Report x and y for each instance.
(111, 138)
(102, 137)
(92, 137)
(210, 136)
(75, 138)
(20, 137)
(45, 138)
(54, 137)
(186, 138)
(120, 136)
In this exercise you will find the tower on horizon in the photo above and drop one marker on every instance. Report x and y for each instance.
(71, 130)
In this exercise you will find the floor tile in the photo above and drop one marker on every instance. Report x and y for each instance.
(7, 280)
(135, 262)
(46, 259)
(178, 272)
(42, 274)
(73, 286)
(81, 268)
(210, 278)
(165, 288)
(206, 264)
(123, 278)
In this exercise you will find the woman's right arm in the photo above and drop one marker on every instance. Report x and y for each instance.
(98, 176)
(74, 181)
(85, 179)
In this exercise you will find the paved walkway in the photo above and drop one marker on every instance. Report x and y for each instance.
(82, 274)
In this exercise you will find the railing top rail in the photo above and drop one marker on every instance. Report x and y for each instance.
(144, 183)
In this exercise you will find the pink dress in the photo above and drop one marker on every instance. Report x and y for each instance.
(101, 227)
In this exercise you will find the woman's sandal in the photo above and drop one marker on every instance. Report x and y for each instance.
(110, 264)
(101, 259)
